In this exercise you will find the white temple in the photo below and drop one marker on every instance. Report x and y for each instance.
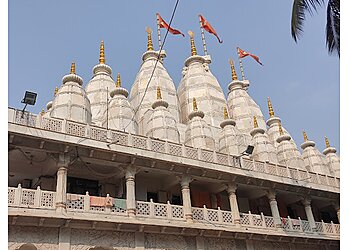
(165, 168)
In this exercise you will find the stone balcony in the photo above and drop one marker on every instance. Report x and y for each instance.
(210, 162)
(40, 203)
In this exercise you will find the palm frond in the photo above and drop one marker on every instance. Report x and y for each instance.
(300, 7)
(333, 26)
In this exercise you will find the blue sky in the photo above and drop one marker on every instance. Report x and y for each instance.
(301, 79)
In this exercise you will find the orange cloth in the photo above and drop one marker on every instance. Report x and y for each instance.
(97, 201)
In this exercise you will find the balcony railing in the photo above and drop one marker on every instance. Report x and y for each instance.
(165, 147)
(40, 199)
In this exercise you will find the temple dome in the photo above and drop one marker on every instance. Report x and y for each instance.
(228, 143)
(332, 159)
(287, 152)
(313, 159)
(120, 112)
(71, 101)
(98, 89)
(263, 148)
(198, 133)
(162, 124)
(198, 81)
(160, 78)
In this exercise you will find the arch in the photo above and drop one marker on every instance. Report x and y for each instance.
(27, 246)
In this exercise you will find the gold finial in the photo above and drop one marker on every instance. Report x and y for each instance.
(272, 114)
(280, 128)
(42, 112)
(56, 91)
(305, 136)
(72, 68)
(195, 108)
(233, 71)
(193, 46)
(149, 39)
(255, 122)
(102, 53)
(118, 83)
(159, 94)
(225, 113)
(327, 142)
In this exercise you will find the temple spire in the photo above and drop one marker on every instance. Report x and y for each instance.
(225, 113)
(271, 113)
(280, 128)
(327, 142)
(193, 46)
(102, 53)
(72, 68)
(118, 83)
(42, 112)
(233, 71)
(56, 90)
(195, 108)
(159, 94)
(305, 136)
(149, 39)
(255, 122)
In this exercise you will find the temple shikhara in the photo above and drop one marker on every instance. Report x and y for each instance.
(159, 167)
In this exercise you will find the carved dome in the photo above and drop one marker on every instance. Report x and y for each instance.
(332, 159)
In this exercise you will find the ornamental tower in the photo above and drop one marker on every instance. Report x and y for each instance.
(98, 89)
(332, 159)
(228, 137)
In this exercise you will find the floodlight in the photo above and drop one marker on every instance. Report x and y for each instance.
(29, 98)
(249, 150)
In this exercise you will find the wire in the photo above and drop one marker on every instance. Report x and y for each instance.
(155, 65)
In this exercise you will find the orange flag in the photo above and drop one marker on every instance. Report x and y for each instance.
(163, 24)
(242, 54)
(206, 25)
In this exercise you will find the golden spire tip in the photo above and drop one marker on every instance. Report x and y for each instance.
(72, 68)
(193, 46)
(271, 113)
(280, 128)
(255, 122)
(56, 90)
(305, 136)
(149, 39)
(233, 71)
(42, 112)
(225, 113)
(195, 108)
(159, 94)
(118, 83)
(102, 53)
(327, 142)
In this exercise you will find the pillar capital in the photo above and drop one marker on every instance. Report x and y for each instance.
(63, 161)
(130, 172)
(185, 180)
(271, 194)
(231, 188)
(306, 201)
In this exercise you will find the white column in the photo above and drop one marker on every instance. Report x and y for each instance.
(271, 195)
(64, 238)
(139, 240)
(61, 185)
(310, 216)
(231, 190)
(337, 209)
(130, 190)
(186, 197)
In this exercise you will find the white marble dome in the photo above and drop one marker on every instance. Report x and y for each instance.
(160, 78)
(288, 154)
(198, 81)
(242, 108)
(332, 159)
(162, 124)
(120, 112)
(228, 143)
(98, 89)
(71, 101)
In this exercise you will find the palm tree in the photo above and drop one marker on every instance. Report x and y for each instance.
(332, 26)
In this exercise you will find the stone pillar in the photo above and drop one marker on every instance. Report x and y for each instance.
(231, 190)
(186, 197)
(61, 185)
(310, 216)
(271, 195)
(337, 209)
(64, 238)
(130, 190)
(200, 243)
(139, 240)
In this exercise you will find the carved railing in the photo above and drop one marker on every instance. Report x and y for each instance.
(159, 210)
(166, 147)
(31, 198)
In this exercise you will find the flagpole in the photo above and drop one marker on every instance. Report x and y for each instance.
(203, 38)
(240, 65)
(158, 31)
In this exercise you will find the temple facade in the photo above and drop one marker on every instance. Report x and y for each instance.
(165, 167)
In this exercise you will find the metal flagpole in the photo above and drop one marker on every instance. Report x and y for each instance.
(240, 65)
(158, 30)
(203, 38)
